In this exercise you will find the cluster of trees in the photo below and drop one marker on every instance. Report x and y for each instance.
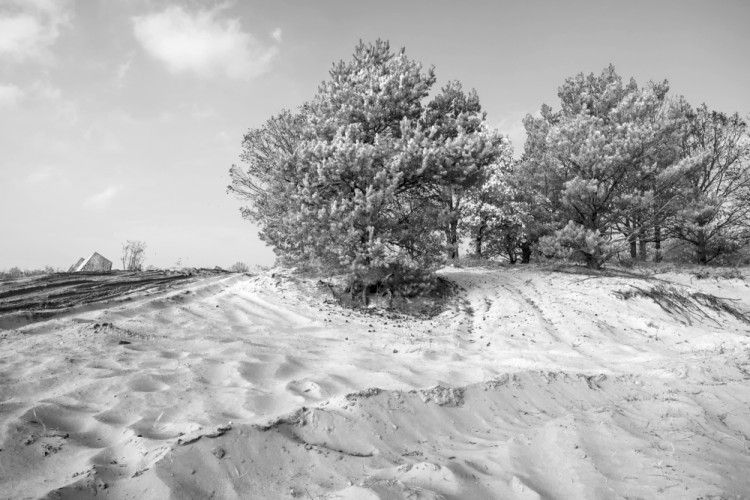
(17, 272)
(133, 255)
(373, 179)
(620, 164)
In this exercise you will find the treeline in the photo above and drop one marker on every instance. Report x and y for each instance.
(17, 272)
(372, 179)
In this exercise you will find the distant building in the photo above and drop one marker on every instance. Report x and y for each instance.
(74, 266)
(95, 263)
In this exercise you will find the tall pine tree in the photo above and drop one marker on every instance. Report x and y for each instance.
(357, 188)
(597, 161)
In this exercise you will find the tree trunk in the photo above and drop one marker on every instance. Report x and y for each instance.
(525, 252)
(642, 247)
(657, 243)
(592, 262)
(454, 237)
(510, 248)
(451, 237)
(702, 257)
(478, 241)
(511, 256)
(633, 250)
(701, 249)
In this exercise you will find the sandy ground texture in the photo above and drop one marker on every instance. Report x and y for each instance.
(534, 383)
(31, 299)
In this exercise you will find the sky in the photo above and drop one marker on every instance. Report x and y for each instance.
(120, 119)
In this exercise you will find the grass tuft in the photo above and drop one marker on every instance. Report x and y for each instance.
(676, 301)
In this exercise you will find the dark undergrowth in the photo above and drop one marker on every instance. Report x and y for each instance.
(426, 298)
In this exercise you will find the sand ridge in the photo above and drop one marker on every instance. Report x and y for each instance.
(534, 384)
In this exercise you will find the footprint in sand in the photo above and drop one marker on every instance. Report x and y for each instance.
(146, 383)
(95, 437)
(115, 416)
(151, 429)
(425, 476)
(522, 491)
(54, 417)
(254, 371)
(79, 428)
(288, 367)
(224, 374)
(305, 388)
(172, 354)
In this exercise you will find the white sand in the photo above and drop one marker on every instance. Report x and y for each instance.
(550, 386)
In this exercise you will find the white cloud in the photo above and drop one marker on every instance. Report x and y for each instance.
(224, 137)
(46, 6)
(20, 36)
(276, 34)
(102, 199)
(198, 111)
(42, 175)
(202, 43)
(41, 93)
(46, 92)
(28, 28)
(10, 95)
(122, 71)
(60, 108)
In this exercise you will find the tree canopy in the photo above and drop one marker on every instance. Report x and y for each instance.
(714, 214)
(373, 178)
(599, 162)
(358, 180)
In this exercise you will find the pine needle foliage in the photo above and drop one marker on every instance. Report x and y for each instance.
(353, 181)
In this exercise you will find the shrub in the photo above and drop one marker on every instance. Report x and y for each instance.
(239, 267)
(14, 272)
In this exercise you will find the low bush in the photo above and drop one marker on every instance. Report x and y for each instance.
(415, 294)
(239, 267)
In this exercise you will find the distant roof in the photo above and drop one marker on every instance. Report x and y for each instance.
(95, 257)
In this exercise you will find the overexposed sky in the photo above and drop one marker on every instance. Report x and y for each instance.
(119, 119)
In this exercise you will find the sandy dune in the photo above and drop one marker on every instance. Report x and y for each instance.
(534, 384)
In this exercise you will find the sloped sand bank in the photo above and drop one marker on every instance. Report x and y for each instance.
(28, 300)
(535, 384)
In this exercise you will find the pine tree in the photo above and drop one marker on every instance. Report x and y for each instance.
(493, 213)
(596, 161)
(457, 118)
(357, 187)
(714, 214)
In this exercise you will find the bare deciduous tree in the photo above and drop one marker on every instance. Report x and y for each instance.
(133, 255)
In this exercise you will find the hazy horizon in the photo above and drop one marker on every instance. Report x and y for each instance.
(121, 119)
